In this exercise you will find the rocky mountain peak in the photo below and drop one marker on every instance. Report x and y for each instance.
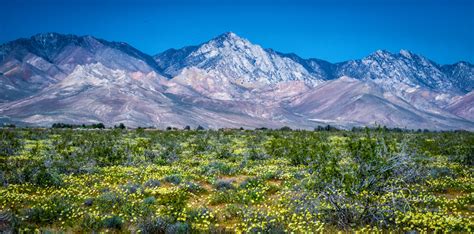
(226, 44)
(381, 53)
(406, 53)
(230, 36)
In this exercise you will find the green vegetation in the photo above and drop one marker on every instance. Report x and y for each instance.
(274, 181)
(63, 125)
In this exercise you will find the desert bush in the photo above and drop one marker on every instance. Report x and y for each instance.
(223, 152)
(174, 179)
(152, 183)
(157, 225)
(267, 223)
(373, 169)
(178, 227)
(114, 222)
(223, 197)
(49, 210)
(256, 153)
(108, 199)
(149, 200)
(46, 177)
(175, 199)
(193, 187)
(10, 142)
(131, 188)
(296, 181)
(8, 222)
(251, 182)
(223, 185)
(217, 168)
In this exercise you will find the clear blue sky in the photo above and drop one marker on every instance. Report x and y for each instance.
(337, 30)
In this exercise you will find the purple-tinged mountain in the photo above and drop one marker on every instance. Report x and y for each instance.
(30, 65)
(61, 49)
(225, 82)
(347, 101)
(463, 106)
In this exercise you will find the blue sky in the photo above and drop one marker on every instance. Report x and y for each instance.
(337, 30)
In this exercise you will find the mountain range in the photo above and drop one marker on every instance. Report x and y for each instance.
(226, 82)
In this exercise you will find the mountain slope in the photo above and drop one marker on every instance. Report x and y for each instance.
(30, 65)
(225, 82)
(463, 106)
(354, 102)
(95, 93)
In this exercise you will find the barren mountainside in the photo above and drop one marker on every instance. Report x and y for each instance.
(225, 82)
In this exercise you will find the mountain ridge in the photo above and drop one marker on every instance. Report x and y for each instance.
(225, 82)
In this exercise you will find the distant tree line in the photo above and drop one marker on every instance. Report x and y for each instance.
(8, 125)
(387, 129)
(64, 125)
(319, 128)
(120, 126)
(186, 128)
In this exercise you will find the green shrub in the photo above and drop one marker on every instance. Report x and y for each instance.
(174, 179)
(49, 211)
(114, 222)
(250, 182)
(10, 142)
(217, 168)
(149, 200)
(175, 200)
(47, 177)
(222, 197)
(108, 199)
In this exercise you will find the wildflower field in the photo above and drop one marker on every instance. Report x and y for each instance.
(268, 181)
